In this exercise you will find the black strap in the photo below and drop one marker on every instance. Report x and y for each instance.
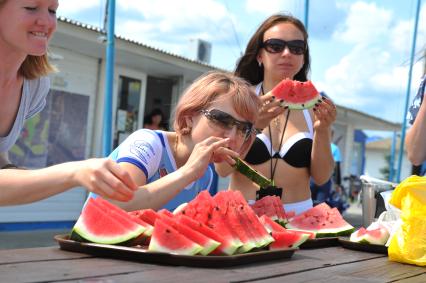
(274, 166)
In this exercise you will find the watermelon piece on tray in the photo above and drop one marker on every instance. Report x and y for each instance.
(166, 239)
(205, 242)
(321, 220)
(104, 226)
(272, 207)
(287, 239)
(378, 236)
(297, 95)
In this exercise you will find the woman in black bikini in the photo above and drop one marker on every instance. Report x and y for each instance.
(292, 146)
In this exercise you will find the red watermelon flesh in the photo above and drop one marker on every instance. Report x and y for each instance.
(205, 242)
(297, 95)
(224, 203)
(259, 231)
(321, 220)
(109, 206)
(166, 212)
(204, 210)
(271, 225)
(147, 215)
(224, 248)
(287, 240)
(166, 239)
(99, 226)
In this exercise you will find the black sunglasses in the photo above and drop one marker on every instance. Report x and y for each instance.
(227, 122)
(275, 45)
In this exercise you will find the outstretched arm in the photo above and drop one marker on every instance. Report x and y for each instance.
(156, 194)
(101, 176)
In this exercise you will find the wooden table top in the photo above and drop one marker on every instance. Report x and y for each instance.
(332, 264)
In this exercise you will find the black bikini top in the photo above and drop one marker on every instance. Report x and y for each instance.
(296, 151)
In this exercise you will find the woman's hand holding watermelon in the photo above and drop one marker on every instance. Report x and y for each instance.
(325, 114)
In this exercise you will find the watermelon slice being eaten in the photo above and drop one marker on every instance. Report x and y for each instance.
(297, 95)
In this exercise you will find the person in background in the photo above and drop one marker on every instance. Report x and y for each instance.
(213, 123)
(415, 140)
(154, 120)
(25, 30)
(292, 145)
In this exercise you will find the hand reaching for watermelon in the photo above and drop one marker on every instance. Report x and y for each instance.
(106, 178)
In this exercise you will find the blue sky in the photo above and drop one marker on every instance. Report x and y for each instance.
(360, 49)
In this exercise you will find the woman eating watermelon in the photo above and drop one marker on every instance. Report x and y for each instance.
(213, 122)
(293, 143)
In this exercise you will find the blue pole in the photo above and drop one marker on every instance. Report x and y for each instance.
(306, 14)
(109, 81)
(407, 95)
(392, 158)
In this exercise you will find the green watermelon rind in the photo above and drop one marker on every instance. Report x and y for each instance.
(327, 232)
(298, 106)
(81, 230)
(154, 246)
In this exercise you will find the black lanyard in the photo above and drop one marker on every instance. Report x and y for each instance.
(274, 166)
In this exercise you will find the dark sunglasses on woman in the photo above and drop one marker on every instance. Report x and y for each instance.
(275, 45)
(227, 122)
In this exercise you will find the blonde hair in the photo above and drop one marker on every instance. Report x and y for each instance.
(210, 87)
(34, 67)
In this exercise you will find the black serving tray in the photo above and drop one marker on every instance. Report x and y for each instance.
(141, 254)
(372, 248)
(320, 243)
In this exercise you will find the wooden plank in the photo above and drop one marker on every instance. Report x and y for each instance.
(415, 279)
(73, 269)
(37, 254)
(373, 270)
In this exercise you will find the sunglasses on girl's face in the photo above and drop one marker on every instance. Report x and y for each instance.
(227, 122)
(275, 45)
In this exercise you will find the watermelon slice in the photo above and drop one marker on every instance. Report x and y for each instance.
(272, 207)
(378, 236)
(250, 219)
(252, 174)
(224, 206)
(224, 247)
(166, 239)
(287, 239)
(98, 225)
(147, 215)
(321, 220)
(297, 95)
(205, 242)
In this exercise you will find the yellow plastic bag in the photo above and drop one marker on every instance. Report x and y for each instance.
(408, 243)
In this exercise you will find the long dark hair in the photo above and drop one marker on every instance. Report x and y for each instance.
(248, 67)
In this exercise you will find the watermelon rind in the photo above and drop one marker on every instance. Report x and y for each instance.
(326, 232)
(365, 236)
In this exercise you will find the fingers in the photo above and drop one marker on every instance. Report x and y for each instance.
(325, 111)
(110, 187)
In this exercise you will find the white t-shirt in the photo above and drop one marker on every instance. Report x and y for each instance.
(33, 100)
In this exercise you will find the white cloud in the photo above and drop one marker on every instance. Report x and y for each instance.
(69, 7)
(375, 70)
(365, 23)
